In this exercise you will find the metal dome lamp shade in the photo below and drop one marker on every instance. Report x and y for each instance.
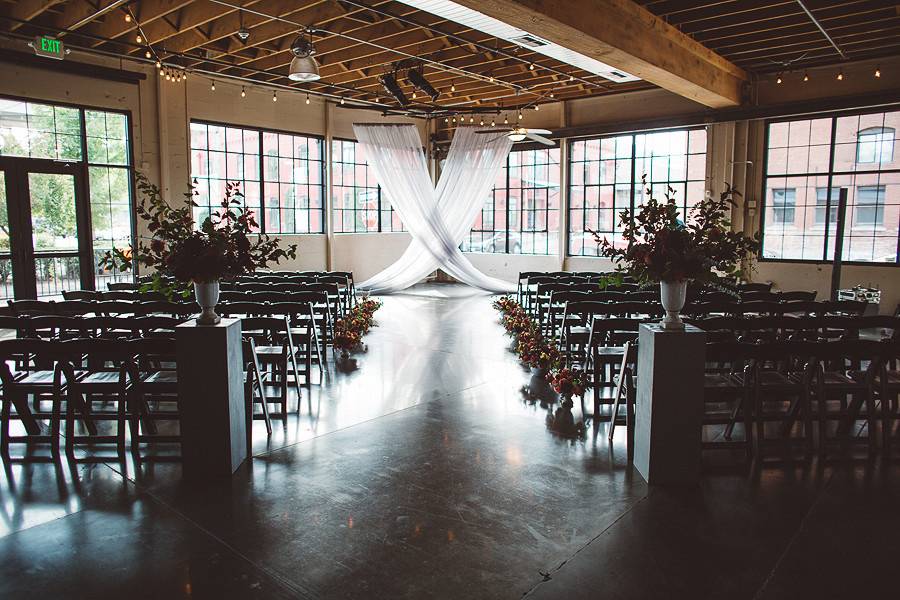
(303, 66)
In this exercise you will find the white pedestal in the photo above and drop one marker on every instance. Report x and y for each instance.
(211, 398)
(669, 404)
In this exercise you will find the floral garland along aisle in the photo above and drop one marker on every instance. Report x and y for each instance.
(350, 329)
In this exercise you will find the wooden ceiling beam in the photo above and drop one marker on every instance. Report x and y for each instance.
(26, 10)
(628, 37)
(113, 26)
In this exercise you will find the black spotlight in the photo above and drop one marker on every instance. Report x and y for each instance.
(417, 79)
(390, 85)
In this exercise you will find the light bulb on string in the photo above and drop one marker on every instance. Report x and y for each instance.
(243, 93)
(552, 95)
(481, 122)
(148, 54)
(454, 118)
(307, 98)
(212, 86)
(471, 119)
(452, 87)
(492, 123)
(505, 120)
(446, 119)
(520, 115)
(537, 107)
(274, 96)
(878, 72)
(840, 75)
(778, 79)
(414, 95)
(571, 78)
(139, 39)
(805, 76)
(127, 18)
(531, 67)
(342, 100)
(158, 65)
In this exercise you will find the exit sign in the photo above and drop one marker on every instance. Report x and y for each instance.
(50, 47)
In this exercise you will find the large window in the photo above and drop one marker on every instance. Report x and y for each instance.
(605, 178)
(281, 173)
(53, 148)
(357, 200)
(817, 158)
(521, 214)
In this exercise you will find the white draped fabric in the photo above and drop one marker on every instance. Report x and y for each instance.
(437, 218)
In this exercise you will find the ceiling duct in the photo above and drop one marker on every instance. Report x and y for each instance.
(473, 19)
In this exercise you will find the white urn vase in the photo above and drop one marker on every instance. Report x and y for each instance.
(207, 294)
(672, 294)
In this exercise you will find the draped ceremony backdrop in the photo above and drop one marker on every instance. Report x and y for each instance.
(437, 217)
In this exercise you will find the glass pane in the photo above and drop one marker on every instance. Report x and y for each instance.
(53, 212)
(54, 229)
(6, 276)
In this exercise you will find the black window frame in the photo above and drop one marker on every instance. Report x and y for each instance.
(383, 208)
(830, 174)
(261, 216)
(633, 186)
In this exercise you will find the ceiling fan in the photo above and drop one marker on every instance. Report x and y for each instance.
(520, 134)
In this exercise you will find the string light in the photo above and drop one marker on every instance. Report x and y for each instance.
(531, 67)
(520, 115)
(158, 65)
(414, 95)
(162, 72)
(491, 79)
(471, 119)
(274, 96)
(168, 77)
(342, 100)
(492, 123)
(243, 93)
(148, 54)
(452, 87)
(537, 107)
(213, 85)
(184, 75)
(139, 39)
(840, 75)
(552, 95)
(571, 78)
(446, 119)
(505, 120)
(454, 118)
(127, 18)
(805, 76)
(481, 122)
(778, 79)
(878, 72)
(307, 98)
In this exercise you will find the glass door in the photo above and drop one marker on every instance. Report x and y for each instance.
(54, 233)
(45, 246)
(6, 274)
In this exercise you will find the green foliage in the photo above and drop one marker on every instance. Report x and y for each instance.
(181, 255)
(663, 248)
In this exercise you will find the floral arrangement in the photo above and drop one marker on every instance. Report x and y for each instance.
(532, 348)
(568, 382)
(661, 247)
(226, 244)
(349, 329)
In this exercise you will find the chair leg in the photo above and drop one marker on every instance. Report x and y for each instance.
(265, 402)
(871, 420)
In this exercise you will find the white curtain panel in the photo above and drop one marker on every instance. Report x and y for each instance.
(437, 218)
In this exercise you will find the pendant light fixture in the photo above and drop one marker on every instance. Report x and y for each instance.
(303, 66)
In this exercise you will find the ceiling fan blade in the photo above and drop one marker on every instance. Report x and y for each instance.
(495, 130)
(539, 138)
(539, 131)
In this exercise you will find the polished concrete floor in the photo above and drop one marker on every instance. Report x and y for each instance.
(426, 474)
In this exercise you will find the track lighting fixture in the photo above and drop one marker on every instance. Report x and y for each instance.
(416, 78)
(389, 82)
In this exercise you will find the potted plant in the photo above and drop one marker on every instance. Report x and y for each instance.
(181, 256)
(663, 248)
